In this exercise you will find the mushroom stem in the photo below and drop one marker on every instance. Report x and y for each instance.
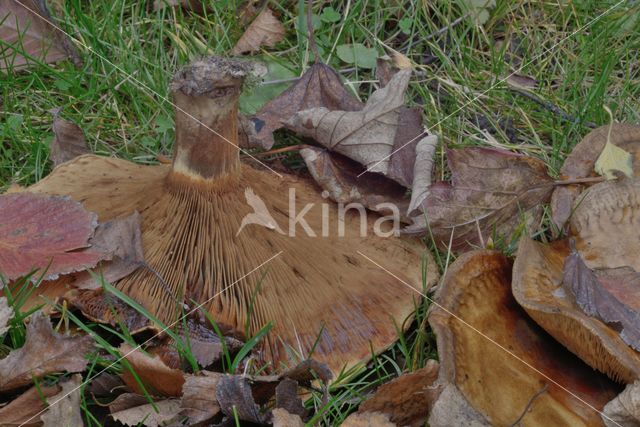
(205, 96)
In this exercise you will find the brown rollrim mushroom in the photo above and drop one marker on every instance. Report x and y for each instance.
(199, 248)
(515, 374)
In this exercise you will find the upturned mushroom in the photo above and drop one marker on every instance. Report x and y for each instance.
(254, 246)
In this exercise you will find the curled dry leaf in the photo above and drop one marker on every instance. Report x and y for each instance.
(612, 295)
(134, 409)
(199, 403)
(581, 161)
(157, 378)
(287, 397)
(6, 313)
(537, 286)
(25, 409)
(44, 352)
(44, 232)
(319, 86)
(25, 26)
(64, 407)
(624, 410)
(489, 191)
(68, 141)
(265, 30)
(236, 400)
(408, 399)
(477, 291)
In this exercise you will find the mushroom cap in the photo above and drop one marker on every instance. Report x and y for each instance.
(318, 289)
(500, 385)
(537, 286)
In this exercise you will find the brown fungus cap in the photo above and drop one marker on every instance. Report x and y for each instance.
(312, 287)
(605, 228)
(507, 388)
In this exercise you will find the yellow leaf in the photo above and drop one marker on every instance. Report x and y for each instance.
(614, 158)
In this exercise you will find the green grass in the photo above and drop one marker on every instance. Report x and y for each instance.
(120, 102)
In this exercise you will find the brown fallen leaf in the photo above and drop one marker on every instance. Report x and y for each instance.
(597, 299)
(624, 410)
(282, 418)
(581, 161)
(133, 409)
(265, 30)
(25, 409)
(319, 86)
(26, 27)
(68, 141)
(64, 407)
(489, 190)
(38, 232)
(453, 409)
(476, 296)
(44, 352)
(407, 400)
(537, 286)
(233, 393)
(157, 378)
(338, 175)
(199, 403)
(368, 419)
(287, 398)
(6, 313)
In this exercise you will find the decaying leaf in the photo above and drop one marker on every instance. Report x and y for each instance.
(624, 410)
(199, 403)
(133, 409)
(476, 321)
(408, 399)
(614, 159)
(338, 175)
(26, 27)
(282, 418)
(620, 309)
(6, 313)
(68, 141)
(453, 409)
(44, 232)
(368, 419)
(319, 86)
(64, 407)
(44, 352)
(580, 163)
(25, 409)
(489, 191)
(366, 136)
(537, 286)
(157, 378)
(265, 30)
(236, 400)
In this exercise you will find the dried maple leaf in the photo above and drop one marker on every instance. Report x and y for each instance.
(133, 409)
(44, 352)
(612, 295)
(68, 141)
(25, 26)
(319, 86)
(157, 378)
(489, 189)
(24, 410)
(64, 407)
(265, 30)
(38, 232)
